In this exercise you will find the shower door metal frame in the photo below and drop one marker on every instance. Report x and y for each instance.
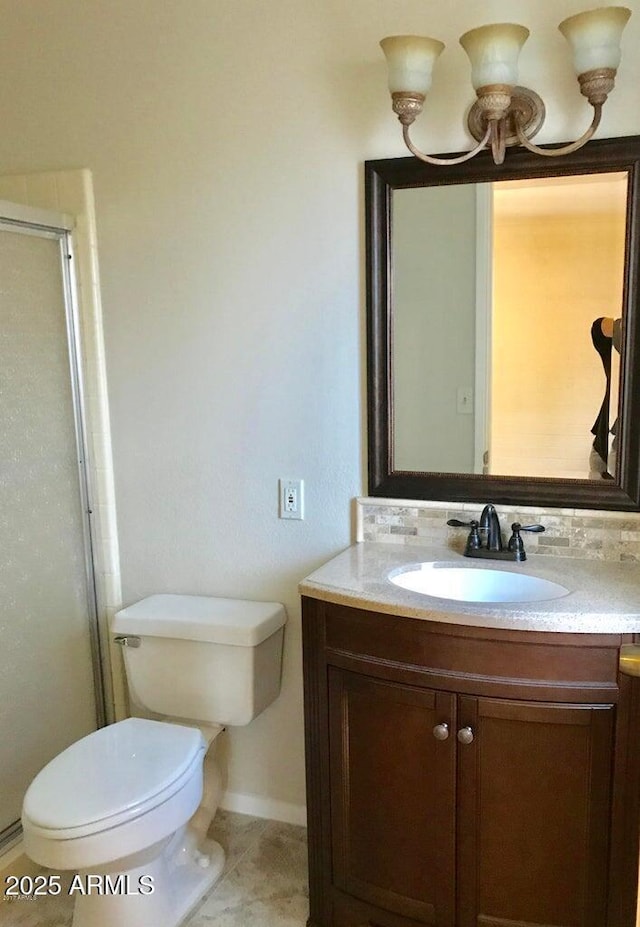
(43, 223)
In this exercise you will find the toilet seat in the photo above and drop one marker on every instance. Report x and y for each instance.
(111, 777)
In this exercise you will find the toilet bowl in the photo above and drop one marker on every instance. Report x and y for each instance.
(115, 808)
(113, 793)
(128, 807)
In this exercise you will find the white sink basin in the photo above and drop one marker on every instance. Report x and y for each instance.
(474, 584)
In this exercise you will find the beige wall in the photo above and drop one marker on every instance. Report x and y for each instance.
(553, 276)
(226, 141)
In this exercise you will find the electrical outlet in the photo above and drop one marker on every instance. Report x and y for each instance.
(291, 498)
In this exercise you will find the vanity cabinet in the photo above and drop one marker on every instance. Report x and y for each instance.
(468, 777)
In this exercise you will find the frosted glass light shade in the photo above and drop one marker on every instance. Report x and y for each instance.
(410, 59)
(493, 52)
(595, 36)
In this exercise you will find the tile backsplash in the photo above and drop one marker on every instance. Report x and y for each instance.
(572, 533)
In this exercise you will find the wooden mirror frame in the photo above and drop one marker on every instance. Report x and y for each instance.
(382, 177)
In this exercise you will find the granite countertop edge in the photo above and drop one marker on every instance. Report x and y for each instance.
(604, 596)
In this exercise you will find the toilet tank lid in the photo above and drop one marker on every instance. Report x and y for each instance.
(201, 618)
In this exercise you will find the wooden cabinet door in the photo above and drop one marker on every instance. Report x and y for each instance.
(393, 796)
(533, 814)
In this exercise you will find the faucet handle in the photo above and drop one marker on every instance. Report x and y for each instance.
(516, 545)
(473, 541)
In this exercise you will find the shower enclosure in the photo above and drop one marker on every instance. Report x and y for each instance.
(50, 676)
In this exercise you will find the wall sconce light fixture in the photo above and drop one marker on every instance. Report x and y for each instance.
(506, 114)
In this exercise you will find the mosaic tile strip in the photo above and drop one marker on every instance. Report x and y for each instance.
(570, 533)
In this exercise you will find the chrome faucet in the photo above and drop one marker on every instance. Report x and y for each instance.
(493, 546)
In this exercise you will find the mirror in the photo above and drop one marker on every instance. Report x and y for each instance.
(521, 273)
(501, 328)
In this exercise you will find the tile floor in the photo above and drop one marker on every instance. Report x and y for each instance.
(264, 883)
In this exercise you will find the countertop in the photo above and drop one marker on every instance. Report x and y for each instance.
(604, 597)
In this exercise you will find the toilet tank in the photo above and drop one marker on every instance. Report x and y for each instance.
(204, 658)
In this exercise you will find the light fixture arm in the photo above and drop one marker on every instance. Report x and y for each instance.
(498, 140)
(439, 161)
(566, 149)
(596, 85)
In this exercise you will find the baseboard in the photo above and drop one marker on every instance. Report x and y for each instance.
(260, 807)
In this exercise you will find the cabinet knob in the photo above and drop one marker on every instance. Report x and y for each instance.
(441, 731)
(465, 735)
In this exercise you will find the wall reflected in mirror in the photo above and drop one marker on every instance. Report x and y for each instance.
(496, 288)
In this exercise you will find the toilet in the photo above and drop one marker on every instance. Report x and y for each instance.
(127, 808)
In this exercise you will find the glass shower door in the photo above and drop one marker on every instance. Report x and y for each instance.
(47, 606)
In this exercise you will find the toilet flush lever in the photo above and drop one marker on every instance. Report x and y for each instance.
(127, 640)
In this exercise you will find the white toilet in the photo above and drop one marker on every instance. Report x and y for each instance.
(128, 807)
